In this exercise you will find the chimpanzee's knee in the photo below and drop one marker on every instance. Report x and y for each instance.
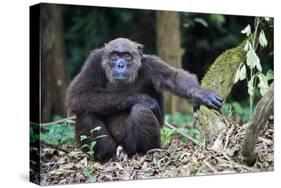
(105, 146)
(143, 132)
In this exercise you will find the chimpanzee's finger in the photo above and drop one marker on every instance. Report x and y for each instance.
(219, 98)
(212, 105)
(195, 106)
(217, 103)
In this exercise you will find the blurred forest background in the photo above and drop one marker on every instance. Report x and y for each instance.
(185, 40)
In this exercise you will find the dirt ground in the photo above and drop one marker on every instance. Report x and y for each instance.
(173, 160)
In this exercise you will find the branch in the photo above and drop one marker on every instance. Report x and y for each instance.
(262, 113)
(181, 133)
(55, 122)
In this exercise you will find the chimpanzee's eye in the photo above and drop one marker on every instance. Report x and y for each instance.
(113, 55)
(127, 56)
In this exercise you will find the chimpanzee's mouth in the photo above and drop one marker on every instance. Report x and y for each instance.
(120, 77)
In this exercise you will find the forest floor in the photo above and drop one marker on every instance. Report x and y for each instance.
(173, 160)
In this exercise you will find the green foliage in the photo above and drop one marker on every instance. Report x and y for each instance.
(166, 135)
(88, 172)
(201, 21)
(190, 19)
(247, 30)
(87, 28)
(210, 32)
(92, 138)
(58, 134)
(217, 19)
(262, 39)
(182, 124)
(179, 119)
(256, 79)
(269, 75)
(237, 111)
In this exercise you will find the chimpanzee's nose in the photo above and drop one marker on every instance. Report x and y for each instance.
(121, 65)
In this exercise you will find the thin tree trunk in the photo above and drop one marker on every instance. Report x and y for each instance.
(261, 114)
(168, 48)
(53, 73)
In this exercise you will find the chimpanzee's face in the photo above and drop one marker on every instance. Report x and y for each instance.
(122, 60)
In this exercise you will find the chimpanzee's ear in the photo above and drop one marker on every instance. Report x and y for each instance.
(140, 48)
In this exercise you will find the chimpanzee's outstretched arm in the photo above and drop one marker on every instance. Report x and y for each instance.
(179, 82)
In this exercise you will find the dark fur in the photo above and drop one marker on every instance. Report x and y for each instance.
(130, 114)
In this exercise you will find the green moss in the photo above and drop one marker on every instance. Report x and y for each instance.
(221, 74)
(219, 78)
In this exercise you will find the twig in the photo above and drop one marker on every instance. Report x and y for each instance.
(156, 150)
(227, 136)
(55, 122)
(54, 147)
(183, 134)
(210, 166)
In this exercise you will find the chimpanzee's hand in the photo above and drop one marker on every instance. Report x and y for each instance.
(152, 104)
(207, 98)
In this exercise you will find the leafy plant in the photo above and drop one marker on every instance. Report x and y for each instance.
(87, 171)
(256, 78)
(182, 127)
(166, 135)
(92, 142)
(237, 110)
(179, 119)
(60, 134)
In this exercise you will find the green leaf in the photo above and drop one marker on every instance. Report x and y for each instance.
(58, 134)
(241, 73)
(217, 18)
(92, 145)
(263, 83)
(237, 76)
(267, 19)
(253, 60)
(248, 46)
(258, 65)
(101, 136)
(85, 146)
(262, 39)
(269, 75)
(201, 21)
(95, 129)
(251, 86)
(91, 153)
(83, 137)
(247, 30)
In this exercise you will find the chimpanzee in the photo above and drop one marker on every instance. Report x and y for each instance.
(120, 89)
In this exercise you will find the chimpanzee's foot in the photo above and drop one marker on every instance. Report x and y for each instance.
(120, 154)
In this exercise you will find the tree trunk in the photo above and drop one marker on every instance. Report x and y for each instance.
(53, 73)
(168, 48)
(219, 78)
(262, 113)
